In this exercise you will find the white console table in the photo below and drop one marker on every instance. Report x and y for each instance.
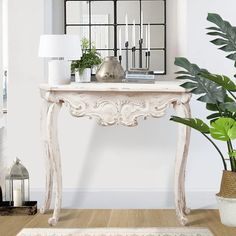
(112, 104)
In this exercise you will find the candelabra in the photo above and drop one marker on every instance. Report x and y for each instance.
(127, 55)
(120, 59)
(141, 53)
(147, 56)
(133, 57)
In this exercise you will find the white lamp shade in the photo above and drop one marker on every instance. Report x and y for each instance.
(60, 46)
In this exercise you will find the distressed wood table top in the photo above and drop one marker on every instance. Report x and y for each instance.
(159, 86)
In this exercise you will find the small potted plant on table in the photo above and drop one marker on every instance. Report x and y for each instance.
(217, 92)
(89, 60)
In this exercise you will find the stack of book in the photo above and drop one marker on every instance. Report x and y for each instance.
(140, 75)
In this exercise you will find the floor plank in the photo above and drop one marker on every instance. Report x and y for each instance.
(10, 225)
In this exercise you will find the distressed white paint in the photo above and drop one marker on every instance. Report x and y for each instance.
(114, 104)
(147, 150)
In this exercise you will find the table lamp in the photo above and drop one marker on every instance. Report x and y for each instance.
(61, 49)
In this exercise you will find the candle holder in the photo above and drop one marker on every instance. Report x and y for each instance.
(147, 56)
(127, 55)
(140, 53)
(17, 184)
(120, 59)
(133, 57)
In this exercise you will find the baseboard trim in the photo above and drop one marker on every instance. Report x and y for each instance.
(128, 198)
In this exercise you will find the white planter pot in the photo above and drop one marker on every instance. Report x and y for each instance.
(77, 77)
(85, 77)
(227, 208)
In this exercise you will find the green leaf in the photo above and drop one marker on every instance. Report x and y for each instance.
(223, 129)
(213, 116)
(219, 41)
(188, 85)
(211, 107)
(228, 99)
(192, 69)
(215, 18)
(229, 106)
(196, 124)
(217, 34)
(227, 48)
(182, 77)
(233, 153)
(210, 91)
(207, 99)
(182, 72)
(213, 28)
(231, 56)
(221, 80)
(226, 35)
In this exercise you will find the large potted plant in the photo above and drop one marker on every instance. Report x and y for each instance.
(217, 92)
(89, 60)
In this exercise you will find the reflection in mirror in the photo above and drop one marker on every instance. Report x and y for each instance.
(77, 12)
(102, 8)
(100, 22)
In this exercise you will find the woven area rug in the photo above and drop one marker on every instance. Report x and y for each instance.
(182, 231)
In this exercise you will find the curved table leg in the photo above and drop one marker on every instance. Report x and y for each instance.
(48, 160)
(182, 110)
(56, 159)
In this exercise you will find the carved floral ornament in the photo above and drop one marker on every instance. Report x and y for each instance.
(117, 109)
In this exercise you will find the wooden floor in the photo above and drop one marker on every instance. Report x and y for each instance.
(11, 225)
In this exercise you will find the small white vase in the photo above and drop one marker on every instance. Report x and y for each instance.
(86, 75)
(227, 209)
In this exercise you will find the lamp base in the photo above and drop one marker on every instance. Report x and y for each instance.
(59, 72)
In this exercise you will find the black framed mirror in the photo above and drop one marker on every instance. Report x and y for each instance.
(100, 22)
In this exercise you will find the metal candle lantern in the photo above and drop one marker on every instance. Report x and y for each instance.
(17, 184)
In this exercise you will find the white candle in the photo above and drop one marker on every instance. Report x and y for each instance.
(146, 38)
(126, 29)
(149, 38)
(120, 42)
(133, 34)
(17, 198)
(141, 25)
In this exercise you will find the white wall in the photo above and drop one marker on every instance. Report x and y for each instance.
(1, 62)
(115, 166)
(26, 23)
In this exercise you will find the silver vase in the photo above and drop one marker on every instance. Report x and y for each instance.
(110, 70)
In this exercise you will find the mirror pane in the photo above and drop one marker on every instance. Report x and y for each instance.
(153, 11)
(83, 31)
(105, 53)
(103, 36)
(131, 8)
(157, 36)
(77, 12)
(102, 12)
(157, 61)
(130, 37)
